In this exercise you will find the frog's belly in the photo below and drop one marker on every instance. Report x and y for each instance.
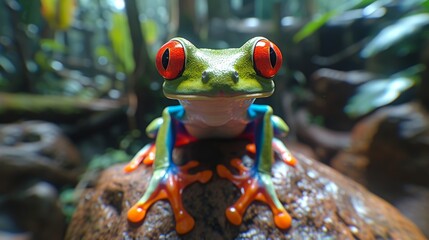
(231, 129)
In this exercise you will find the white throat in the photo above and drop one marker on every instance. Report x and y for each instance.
(217, 117)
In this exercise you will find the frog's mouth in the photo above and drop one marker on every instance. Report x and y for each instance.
(218, 95)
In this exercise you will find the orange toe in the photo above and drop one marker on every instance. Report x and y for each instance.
(146, 155)
(184, 224)
(171, 188)
(283, 220)
(130, 167)
(234, 216)
(251, 148)
(252, 189)
(149, 159)
(204, 176)
(136, 214)
(289, 159)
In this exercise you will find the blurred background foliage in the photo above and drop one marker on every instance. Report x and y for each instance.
(88, 65)
(104, 49)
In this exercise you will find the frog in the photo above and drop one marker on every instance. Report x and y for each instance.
(216, 90)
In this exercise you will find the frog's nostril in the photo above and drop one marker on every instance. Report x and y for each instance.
(235, 76)
(205, 76)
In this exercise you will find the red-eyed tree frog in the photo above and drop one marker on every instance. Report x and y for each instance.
(216, 90)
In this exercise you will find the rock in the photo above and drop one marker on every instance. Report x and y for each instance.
(331, 91)
(32, 212)
(36, 160)
(389, 154)
(36, 150)
(323, 141)
(400, 146)
(395, 142)
(323, 204)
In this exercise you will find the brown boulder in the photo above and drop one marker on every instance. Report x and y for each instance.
(322, 202)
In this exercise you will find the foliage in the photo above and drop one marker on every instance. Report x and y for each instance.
(317, 23)
(6, 64)
(65, 48)
(58, 13)
(396, 33)
(109, 158)
(382, 92)
(150, 31)
(68, 203)
(402, 33)
(314, 25)
(120, 36)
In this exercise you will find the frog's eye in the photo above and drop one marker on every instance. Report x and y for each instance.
(170, 60)
(267, 58)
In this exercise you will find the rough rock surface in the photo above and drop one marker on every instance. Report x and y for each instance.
(323, 204)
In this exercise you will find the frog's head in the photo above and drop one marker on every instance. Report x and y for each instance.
(192, 73)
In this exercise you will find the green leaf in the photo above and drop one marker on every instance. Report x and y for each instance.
(377, 93)
(42, 60)
(365, 3)
(313, 26)
(103, 51)
(68, 203)
(150, 31)
(50, 45)
(396, 33)
(425, 5)
(121, 41)
(109, 158)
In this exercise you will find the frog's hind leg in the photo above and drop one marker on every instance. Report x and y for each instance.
(281, 129)
(279, 148)
(284, 153)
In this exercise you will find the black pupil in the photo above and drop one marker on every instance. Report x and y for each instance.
(273, 57)
(165, 58)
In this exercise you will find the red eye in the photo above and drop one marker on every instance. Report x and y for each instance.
(170, 60)
(267, 58)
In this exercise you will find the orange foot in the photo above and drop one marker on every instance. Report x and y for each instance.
(254, 186)
(145, 155)
(279, 148)
(170, 187)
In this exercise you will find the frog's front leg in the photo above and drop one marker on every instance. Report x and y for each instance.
(169, 180)
(256, 183)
